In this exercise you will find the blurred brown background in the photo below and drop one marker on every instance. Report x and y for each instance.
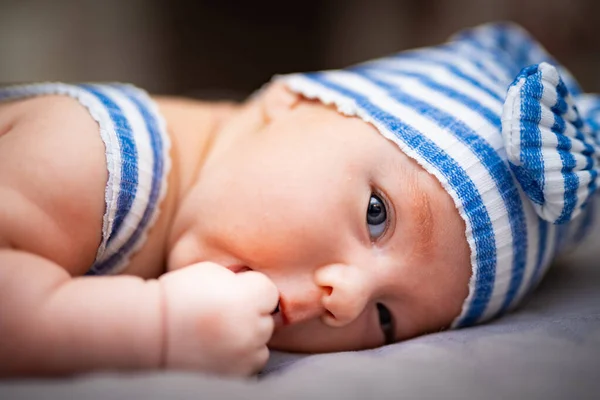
(229, 48)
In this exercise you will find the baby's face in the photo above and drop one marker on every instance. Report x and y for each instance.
(363, 244)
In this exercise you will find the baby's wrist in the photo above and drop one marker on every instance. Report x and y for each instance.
(154, 332)
(162, 327)
(145, 337)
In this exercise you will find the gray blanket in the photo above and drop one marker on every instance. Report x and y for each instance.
(548, 349)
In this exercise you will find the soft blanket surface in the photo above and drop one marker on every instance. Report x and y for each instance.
(548, 349)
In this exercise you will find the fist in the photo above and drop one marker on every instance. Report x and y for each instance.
(217, 321)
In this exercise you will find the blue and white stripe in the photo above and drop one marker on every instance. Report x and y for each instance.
(550, 149)
(443, 107)
(137, 159)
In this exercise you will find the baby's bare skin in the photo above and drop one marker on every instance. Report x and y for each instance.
(53, 320)
(229, 205)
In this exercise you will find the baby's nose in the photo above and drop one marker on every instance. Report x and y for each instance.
(347, 293)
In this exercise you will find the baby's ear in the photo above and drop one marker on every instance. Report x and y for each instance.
(277, 100)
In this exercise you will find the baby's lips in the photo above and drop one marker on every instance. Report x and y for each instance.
(279, 315)
(278, 320)
(237, 268)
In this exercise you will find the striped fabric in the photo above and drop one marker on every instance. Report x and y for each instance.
(552, 152)
(447, 108)
(137, 159)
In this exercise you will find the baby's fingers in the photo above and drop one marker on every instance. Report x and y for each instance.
(261, 291)
(261, 359)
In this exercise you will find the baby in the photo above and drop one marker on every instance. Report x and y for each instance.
(332, 211)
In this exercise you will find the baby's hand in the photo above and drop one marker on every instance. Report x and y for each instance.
(216, 320)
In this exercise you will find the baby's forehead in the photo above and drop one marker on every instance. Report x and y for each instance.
(368, 150)
(328, 120)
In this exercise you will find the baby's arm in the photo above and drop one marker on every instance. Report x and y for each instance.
(52, 177)
(201, 317)
(54, 324)
(53, 320)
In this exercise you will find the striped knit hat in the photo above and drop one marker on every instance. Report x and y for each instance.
(496, 123)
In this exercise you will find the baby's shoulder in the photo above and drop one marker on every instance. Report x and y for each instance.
(52, 180)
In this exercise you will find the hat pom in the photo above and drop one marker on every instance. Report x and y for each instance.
(552, 153)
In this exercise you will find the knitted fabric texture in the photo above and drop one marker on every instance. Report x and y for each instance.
(506, 131)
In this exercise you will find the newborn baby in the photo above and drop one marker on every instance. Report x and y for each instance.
(332, 211)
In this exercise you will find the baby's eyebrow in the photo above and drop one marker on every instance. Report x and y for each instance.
(423, 218)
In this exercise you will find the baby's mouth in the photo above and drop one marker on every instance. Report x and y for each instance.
(279, 316)
(236, 269)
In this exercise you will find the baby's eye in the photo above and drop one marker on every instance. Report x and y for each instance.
(386, 323)
(376, 217)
